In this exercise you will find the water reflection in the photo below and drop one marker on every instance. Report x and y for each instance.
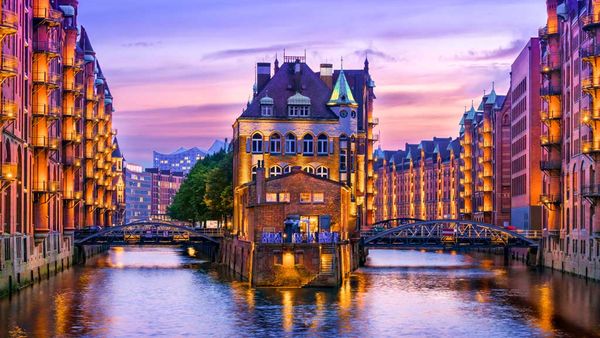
(163, 292)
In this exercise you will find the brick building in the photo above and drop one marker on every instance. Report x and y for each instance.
(165, 185)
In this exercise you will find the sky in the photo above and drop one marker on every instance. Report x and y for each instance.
(181, 71)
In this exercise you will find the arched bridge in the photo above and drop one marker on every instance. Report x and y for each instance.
(150, 232)
(446, 233)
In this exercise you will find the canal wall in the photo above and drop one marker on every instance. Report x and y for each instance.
(581, 262)
(289, 264)
(24, 262)
(529, 256)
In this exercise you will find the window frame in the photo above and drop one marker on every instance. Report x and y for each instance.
(308, 139)
(257, 144)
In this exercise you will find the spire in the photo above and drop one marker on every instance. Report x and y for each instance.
(117, 150)
(366, 62)
(491, 98)
(276, 63)
(341, 94)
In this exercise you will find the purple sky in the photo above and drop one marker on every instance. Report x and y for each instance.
(181, 71)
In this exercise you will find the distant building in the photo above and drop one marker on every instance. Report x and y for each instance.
(165, 185)
(183, 159)
(138, 193)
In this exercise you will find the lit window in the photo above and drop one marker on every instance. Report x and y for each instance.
(284, 197)
(290, 144)
(275, 171)
(309, 170)
(257, 143)
(305, 197)
(318, 197)
(308, 144)
(271, 197)
(275, 144)
(323, 172)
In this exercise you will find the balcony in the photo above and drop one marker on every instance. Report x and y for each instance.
(9, 22)
(45, 111)
(551, 63)
(590, 22)
(73, 87)
(73, 112)
(90, 155)
(591, 191)
(47, 47)
(549, 200)
(9, 66)
(46, 14)
(550, 141)
(550, 90)
(9, 172)
(589, 52)
(551, 165)
(72, 63)
(72, 195)
(590, 147)
(72, 137)
(590, 83)
(549, 115)
(589, 117)
(45, 142)
(374, 121)
(485, 144)
(90, 174)
(91, 117)
(47, 187)
(8, 110)
(374, 138)
(91, 136)
(546, 32)
(72, 161)
(49, 79)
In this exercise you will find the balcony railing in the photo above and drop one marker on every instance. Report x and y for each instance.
(545, 32)
(591, 191)
(45, 110)
(73, 87)
(374, 121)
(551, 165)
(590, 22)
(48, 47)
(47, 14)
(9, 66)
(90, 155)
(9, 21)
(72, 62)
(72, 195)
(590, 51)
(374, 138)
(46, 78)
(550, 90)
(551, 62)
(72, 161)
(547, 141)
(45, 142)
(548, 199)
(590, 116)
(9, 172)
(590, 147)
(8, 110)
(590, 83)
(46, 186)
(72, 112)
(547, 115)
(74, 137)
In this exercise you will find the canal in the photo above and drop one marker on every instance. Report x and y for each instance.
(161, 291)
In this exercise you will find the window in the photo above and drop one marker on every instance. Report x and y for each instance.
(305, 197)
(275, 144)
(309, 170)
(266, 110)
(257, 143)
(318, 197)
(275, 171)
(343, 160)
(290, 144)
(284, 197)
(299, 111)
(271, 197)
(287, 169)
(254, 168)
(322, 144)
(323, 172)
(308, 144)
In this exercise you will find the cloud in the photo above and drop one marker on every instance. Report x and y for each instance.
(510, 51)
(376, 53)
(142, 44)
(229, 53)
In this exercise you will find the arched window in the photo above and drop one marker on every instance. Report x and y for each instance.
(257, 143)
(275, 144)
(254, 168)
(275, 171)
(323, 172)
(287, 169)
(290, 143)
(322, 144)
(309, 169)
(308, 145)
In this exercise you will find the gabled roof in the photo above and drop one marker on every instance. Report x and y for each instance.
(341, 93)
(117, 151)
(84, 42)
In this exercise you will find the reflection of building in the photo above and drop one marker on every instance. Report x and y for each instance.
(420, 181)
(56, 170)
(165, 185)
(138, 193)
(321, 122)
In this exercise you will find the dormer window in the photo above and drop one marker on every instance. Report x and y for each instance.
(298, 105)
(266, 106)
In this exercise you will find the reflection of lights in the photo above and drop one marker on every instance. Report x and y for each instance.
(191, 251)
(288, 260)
(546, 308)
(61, 313)
(288, 310)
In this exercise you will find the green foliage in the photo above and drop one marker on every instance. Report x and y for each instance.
(207, 192)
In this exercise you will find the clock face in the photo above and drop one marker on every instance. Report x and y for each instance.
(343, 113)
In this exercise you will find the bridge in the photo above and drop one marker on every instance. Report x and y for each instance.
(445, 233)
(149, 232)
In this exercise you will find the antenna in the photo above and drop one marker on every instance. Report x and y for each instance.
(342, 62)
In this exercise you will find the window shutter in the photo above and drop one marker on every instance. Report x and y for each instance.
(331, 146)
(299, 146)
(267, 145)
(248, 145)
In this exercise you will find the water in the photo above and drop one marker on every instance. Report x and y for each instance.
(160, 291)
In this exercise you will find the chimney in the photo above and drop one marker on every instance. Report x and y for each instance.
(263, 75)
(327, 74)
(261, 194)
